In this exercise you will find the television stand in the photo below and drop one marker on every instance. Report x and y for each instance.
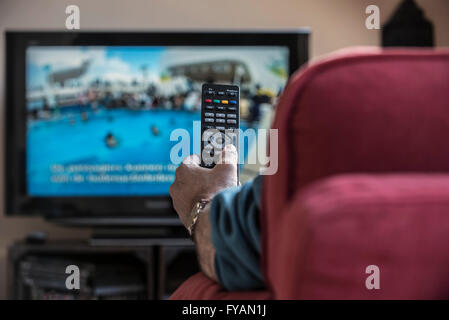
(144, 236)
(113, 268)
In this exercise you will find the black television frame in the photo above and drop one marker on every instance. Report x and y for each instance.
(112, 210)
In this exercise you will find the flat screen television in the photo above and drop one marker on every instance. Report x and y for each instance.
(89, 114)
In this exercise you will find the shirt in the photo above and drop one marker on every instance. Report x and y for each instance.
(235, 233)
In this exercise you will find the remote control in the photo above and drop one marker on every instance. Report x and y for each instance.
(220, 120)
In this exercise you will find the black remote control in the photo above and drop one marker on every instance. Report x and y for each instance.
(220, 120)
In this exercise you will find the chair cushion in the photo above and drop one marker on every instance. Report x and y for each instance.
(346, 223)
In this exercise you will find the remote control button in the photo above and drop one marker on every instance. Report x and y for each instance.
(221, 93)
(209, 114)
(233, 94)
(224, 101)
(208, 120)
(208, 100)
(232, 109)
(210, 107)
(208, 127)
(220, 108)
(221, 115)
(231, 121)
(221, 120)
(221, 128)
(216, 101)
(233, 102)
(230, 115)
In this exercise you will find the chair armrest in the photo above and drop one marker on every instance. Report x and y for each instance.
(199, 287)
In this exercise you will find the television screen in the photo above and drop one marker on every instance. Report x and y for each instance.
(99, 118)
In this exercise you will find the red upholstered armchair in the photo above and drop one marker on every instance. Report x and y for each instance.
(363, 180)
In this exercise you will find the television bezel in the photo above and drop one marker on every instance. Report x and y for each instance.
(107, 210)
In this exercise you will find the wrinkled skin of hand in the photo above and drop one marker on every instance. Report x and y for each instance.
(194, 183)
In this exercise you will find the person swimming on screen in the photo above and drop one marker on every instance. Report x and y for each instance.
(155, 130)
(110, 140)
(84, 116)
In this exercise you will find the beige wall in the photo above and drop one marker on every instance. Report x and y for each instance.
(334, 23)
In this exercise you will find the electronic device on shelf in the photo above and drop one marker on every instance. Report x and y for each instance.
(90, 115)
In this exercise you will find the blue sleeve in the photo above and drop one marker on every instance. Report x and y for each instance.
(235, 234)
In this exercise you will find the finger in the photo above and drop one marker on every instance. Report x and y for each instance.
(193, 159)
(172, 189)
(227, 163)
(228, 155)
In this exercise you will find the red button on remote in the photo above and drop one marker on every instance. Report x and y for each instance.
(208, 100)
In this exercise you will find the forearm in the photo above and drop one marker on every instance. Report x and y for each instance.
(204, 247)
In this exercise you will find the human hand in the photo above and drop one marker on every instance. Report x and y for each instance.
(194, 183)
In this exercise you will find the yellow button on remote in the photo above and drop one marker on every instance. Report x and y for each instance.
(224, 101)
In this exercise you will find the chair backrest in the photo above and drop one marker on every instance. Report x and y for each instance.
(370, 112)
